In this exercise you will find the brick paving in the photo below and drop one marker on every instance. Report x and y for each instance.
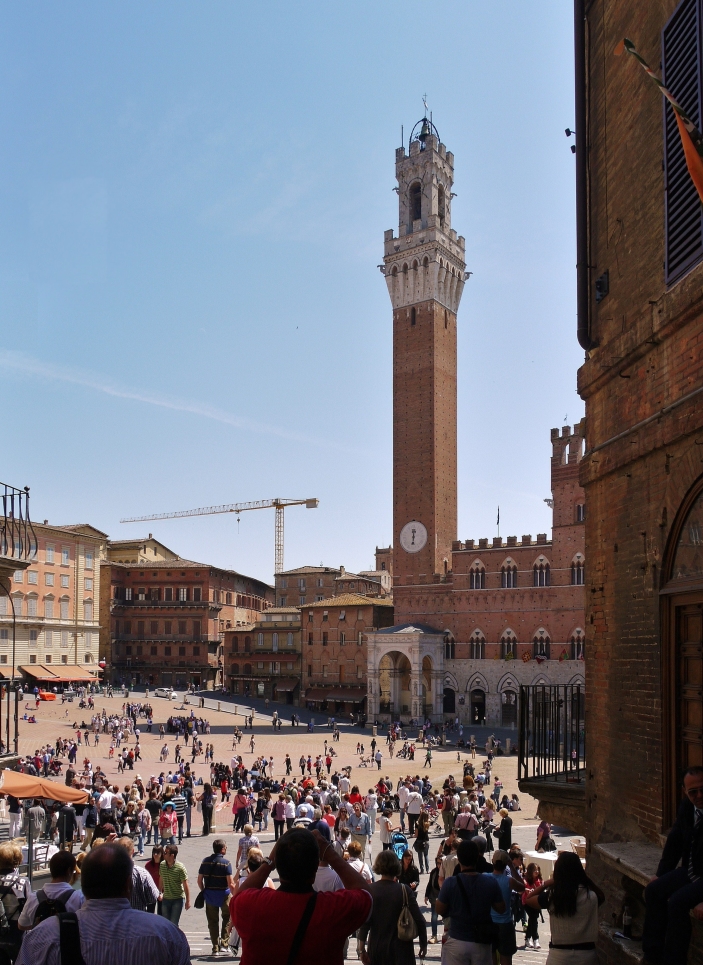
(56, 720)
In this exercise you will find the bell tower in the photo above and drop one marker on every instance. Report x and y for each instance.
(424, 270)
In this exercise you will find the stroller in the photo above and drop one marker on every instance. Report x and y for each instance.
(399, 844)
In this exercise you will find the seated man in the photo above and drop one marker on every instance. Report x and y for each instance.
(110, 932)
(327, 917)
(675, 891)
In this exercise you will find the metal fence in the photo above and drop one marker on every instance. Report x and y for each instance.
(17, 537)
(552, 733)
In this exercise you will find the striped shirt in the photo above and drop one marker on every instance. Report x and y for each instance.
(144, 891)
(172, 879)
(179, 802)
(111, 933)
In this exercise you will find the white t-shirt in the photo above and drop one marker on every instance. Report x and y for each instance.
(344, 785)
(358, 865)
(403, 794)
(327, 880)
(414, 802)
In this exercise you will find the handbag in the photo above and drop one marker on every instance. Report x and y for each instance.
(199, 900)
(407, 926)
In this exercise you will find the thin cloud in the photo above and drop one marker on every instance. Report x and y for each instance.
(19, 362)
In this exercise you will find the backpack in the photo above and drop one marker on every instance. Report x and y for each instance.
(10, 909)
(48, 907)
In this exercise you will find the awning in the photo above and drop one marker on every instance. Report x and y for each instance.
(352, 693)
(63, 674)
(25, 785)
(314, 694)
(286, 684)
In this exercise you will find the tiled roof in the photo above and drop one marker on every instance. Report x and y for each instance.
(310, 569)
(282, 609)
(349, 599)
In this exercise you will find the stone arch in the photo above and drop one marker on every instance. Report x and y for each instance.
(577, 681)
(507, 682)
(477, 682)
(450, 681)
(541, 679)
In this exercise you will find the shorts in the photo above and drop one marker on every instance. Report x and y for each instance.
(457, 952)
(506, 943)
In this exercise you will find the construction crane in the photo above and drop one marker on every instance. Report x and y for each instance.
(277, 504)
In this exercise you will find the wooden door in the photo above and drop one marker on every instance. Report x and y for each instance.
(689, 685)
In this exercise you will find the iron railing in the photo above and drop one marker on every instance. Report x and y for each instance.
(552, 733)
(17, 537)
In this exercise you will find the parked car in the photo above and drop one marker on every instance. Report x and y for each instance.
(166, 692)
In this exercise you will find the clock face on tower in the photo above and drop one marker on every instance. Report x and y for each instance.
(413, 536)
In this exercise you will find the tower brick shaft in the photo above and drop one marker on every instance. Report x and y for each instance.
(424, 270)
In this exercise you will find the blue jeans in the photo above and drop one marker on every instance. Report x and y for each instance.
(172, 908)
(188, 816)
(433, 921)
(140, 842)
(423, 855)
(165, 841)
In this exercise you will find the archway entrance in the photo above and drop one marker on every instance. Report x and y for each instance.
(508, 711)
(478, 707)
(449, 704)
(682, 624)
(394, 680)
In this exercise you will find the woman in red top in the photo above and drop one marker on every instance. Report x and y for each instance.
(152, 866)
(240, 808)
(355, 797)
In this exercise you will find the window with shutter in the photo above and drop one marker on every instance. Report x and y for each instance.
(681, 73)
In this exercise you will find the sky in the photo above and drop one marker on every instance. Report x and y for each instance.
(192, 206)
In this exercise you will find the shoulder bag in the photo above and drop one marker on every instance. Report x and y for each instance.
(407, 926)
(301, 929)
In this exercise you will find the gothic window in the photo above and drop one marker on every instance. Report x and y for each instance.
(508, 575)
(508, 645)
(477, 576)
(580, 512)
(578, 571)
(449, 649)
(578, 644)
(415, 199)
(541, 572)
(413, 316)
(477, 645)
(541, 644)
(441, 204)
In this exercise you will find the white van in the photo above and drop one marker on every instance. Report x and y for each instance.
(165, 692)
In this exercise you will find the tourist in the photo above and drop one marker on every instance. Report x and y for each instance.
(409, 875)
(505, 830)
(545, 842)
(572, 901)
(152, 866)
(387, 828)
(675, 892)
(110, 932)
(360, 827)
(503, 920)
(215, 882)
(174, 885)
(468, 899)
(15, 891)
(207, 803)
(168, 824)
(381, 928)
(431, 895)
(356, 860)
(533, 881)
(278, 812)
(421, 844)
(55, 896)
(246, 843)
(321, 921)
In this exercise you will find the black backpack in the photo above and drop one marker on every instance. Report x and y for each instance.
(48, 907)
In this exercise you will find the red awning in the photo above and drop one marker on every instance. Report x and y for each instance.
(63, 674)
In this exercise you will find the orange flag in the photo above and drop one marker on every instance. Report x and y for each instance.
(694, 162)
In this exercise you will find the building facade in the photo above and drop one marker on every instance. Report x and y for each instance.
(474, 621)
(56, 607)
(166, 620)
(306, 584)
(334, 650)
(263, 659)
(640, 321)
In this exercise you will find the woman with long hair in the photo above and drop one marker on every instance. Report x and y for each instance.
(572, 900)
(409, 875)
(421, 844)
(380, 930)
(533, 881)
(207, 802)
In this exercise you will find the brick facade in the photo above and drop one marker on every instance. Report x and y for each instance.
(262, 659)
(167, 620)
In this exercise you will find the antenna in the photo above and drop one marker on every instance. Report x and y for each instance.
(424, 102)
(402, 138)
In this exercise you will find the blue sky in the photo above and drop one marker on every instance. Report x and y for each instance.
(192, 206)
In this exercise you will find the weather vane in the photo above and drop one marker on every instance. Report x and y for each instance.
(424, 101)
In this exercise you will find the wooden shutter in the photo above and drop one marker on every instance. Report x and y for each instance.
(689, 691)
(681, 73)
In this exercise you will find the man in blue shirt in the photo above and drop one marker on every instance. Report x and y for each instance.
(215, 881)
(468, 898)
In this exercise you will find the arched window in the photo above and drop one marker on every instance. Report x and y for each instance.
(508, 645)
(415, 201)
(235, 669)
(578, 644)
(235, 644)
(477, 645)
(541, 572)
(578, 571)
(441, 204)
(413, 316)
(541, 643)
(477, 576)
(247, 670)
(449, 648)
(247, 644)
(508, 575)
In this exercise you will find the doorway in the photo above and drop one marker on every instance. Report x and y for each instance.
(478, 707)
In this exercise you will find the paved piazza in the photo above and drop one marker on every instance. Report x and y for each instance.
(56, 720)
